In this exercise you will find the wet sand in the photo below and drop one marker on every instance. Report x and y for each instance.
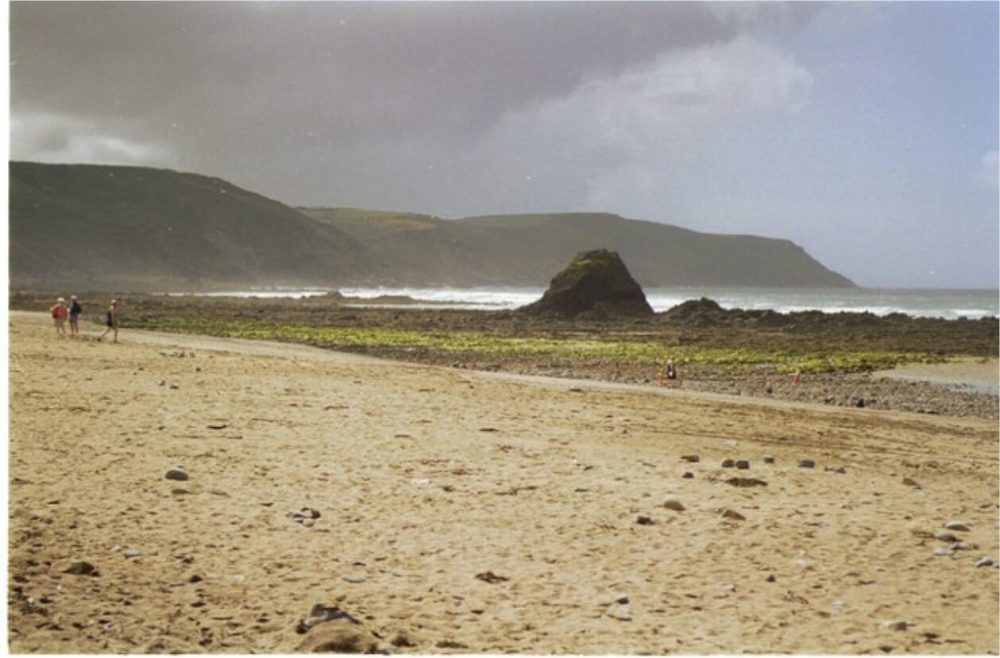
(979, 375)
(469, 512)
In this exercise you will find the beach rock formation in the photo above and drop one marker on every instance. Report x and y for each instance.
(702, 311)
(595, 284)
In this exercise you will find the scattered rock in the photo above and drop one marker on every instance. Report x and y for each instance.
(621, 598)
(490, 577)
(674, 504)
(984, 562)
(746, 482)
(733, 515)
(770, 578)
(694, 459)
(728, 463)
(806, 463)
(354, 579)
(402, 639)
(957, 526)
(321, 613)
(835, 469)
(306, 516)
(910, 482)
(943, 552)
(130, 553)
(688, 476)
(217, 426)
(742, 464)
(897, 625)
(959, 546)
(945, 536)
(768, 460)
(81, 568)
(620, 612)
(642, 519)
(176, 474)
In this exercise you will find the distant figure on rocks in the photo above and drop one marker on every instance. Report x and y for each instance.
(797, 377)
(111, 320)
(670, 370)
(74, 315)
(59, 314)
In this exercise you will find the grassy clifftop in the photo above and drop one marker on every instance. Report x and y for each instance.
(110, 227)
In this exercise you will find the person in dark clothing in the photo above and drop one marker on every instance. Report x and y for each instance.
(74, 315)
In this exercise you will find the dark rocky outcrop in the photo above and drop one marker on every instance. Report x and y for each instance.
(595, 284)
(696, 312)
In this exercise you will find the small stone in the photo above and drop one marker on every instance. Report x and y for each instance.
(674, 504)
(770, 578)
(910, 482)
(176, 474)
(490, 577)
(806, 463)
(728, 463)
(742, 464)
(959, 546)
(642, 519)
(733, 515)
(195, 578)
(354, 579)
(130, 553)
(897, 625)
(81, 568)
(984, 562)
(943, 552)
(768, 460)
(688, 476)
(694, 459)
(620, 612)
(887, 648)
(945, 536)
(621, 598)
(957, 526)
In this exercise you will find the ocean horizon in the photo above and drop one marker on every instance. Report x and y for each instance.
(948, 304)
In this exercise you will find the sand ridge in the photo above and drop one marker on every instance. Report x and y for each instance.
(473, 513)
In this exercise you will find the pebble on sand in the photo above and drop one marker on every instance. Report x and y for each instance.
(806, 463)
(81, 568)
(728, 463)
(691, 458)
(733, 515)
(742, 464)
(957, 526)
(896, 625)
(674, 504)
(768, 460)
(176, 474)
(642, 519)
(984, 562)
(910, 482)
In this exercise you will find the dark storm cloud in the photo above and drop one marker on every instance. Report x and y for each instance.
(221, 85)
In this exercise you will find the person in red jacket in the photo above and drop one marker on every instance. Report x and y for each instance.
(59, 314)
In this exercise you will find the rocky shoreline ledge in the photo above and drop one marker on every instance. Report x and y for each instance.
(774, 342)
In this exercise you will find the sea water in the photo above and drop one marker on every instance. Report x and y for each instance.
(949, 304)
(938, 303)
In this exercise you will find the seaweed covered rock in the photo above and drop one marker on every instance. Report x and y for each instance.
(595, 284)
(696, 312)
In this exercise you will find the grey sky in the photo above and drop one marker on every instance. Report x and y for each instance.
(867, 133)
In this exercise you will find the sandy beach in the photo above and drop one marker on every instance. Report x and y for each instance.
(454, 511)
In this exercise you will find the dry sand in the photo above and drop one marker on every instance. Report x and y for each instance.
(472, 512)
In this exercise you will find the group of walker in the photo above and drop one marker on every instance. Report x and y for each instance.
(61, 312)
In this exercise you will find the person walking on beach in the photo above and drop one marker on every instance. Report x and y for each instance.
(59, 314)
(111, 320)
(74, 315)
